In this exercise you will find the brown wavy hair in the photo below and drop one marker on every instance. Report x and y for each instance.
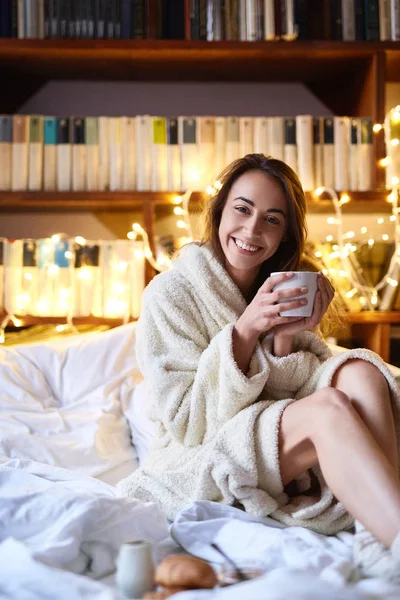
(289, 254)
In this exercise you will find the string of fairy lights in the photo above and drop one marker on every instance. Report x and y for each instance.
(343, 249)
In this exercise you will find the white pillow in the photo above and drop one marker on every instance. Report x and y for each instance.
(143, 429)
(61, 401)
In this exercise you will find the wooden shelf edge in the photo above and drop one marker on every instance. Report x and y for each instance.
(89, 320)
(373, 317)
(14, 202)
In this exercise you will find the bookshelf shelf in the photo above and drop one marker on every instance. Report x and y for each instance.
(14, 202)
(179, 60)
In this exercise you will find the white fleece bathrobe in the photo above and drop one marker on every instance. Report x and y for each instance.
(218, 427)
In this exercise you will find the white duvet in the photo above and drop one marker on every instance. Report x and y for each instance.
(62, 428)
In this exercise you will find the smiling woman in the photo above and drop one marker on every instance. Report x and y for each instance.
(251, 407)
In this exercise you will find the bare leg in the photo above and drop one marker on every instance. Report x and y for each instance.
(325, 428)
(369, 393)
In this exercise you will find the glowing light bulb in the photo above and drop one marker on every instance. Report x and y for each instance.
(136, 227)
(385, 237)
(178, 210)
(344, 198)
(178, 200)
(28, 276)
(364, 229)
(131, 235)
(329, 238)
(319, 191)
(371, 242)
(181, 224)
(55, 238)
(377, 128)
(80, 240)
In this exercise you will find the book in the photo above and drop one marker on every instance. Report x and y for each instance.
(50, 154)
(365, 154)
(290, 146)
(305, 162)
(115, 156)
(35, 177)
(395, 19)
(159, 171)
(348, 20)
(20, 153)
(341, 126)
(5, 152)
(137, 279)
(64, 155)
(232, 140)
(143, 152)
(12, 275)
(219, 150)
(371, 15)
(104, 154)
(78, 154)
(246, 136)
(206, 150)
(328, 152)
(318, 148)
(92, 153)
(276, 137)
(269, 19)
(128, 129)
(173, 155)
(261, 135)
(187, 135)
(28, 284)
(353, 156)
(384, 20)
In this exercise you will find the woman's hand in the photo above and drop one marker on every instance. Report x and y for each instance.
(263, 313)
(323, 297)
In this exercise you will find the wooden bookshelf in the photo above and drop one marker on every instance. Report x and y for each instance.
(348, 77)
(15, 202)
(372, 328)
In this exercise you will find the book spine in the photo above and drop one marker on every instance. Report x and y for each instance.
(348, 20)
(64, 155)
(206, 149)
(365, 154)
(371, 20)
(318, 146)
(395, 19)
(269, 20)
(304, 134)
(242, 20)
(276, 137)
(35, 178)
(290, 147)
(50, 154)
(384, 20)
(92, 153)
(336, 20)
(126, 19)
(29, 283)
(301, 10)
(195, 19)
(139, 19)
(5, 152)
(78, 154)
(128, 153)
(341, 152)
(220, 143)
(159, 172)
(173, 155)
(115, 141)
(261, 135)
(360, 19)
(20, 153)
(329, 167)
(104, 154)
(187, 135)
(232, 140)
(251, 23)
(353, 156)
(246, 136)
(143, 152)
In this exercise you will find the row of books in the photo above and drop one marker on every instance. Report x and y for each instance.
(147, 153)
(295, 19)
(60, 277)
(92, 19)
(209, 19)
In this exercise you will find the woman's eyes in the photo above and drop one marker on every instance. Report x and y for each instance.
(269, 218)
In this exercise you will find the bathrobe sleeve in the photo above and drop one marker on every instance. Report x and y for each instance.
(194, 381)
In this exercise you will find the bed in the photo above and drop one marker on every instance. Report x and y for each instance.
(72, 424)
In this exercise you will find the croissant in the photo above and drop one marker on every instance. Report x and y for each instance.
(180, 570)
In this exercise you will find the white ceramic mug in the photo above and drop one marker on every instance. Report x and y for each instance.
(306, 279)
(135, 570)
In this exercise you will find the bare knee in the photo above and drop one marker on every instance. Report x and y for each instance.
(357, 370)
(332, 408)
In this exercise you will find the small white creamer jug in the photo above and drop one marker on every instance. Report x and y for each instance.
(135, 570)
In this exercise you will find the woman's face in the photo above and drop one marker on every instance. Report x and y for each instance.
(253, 224)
